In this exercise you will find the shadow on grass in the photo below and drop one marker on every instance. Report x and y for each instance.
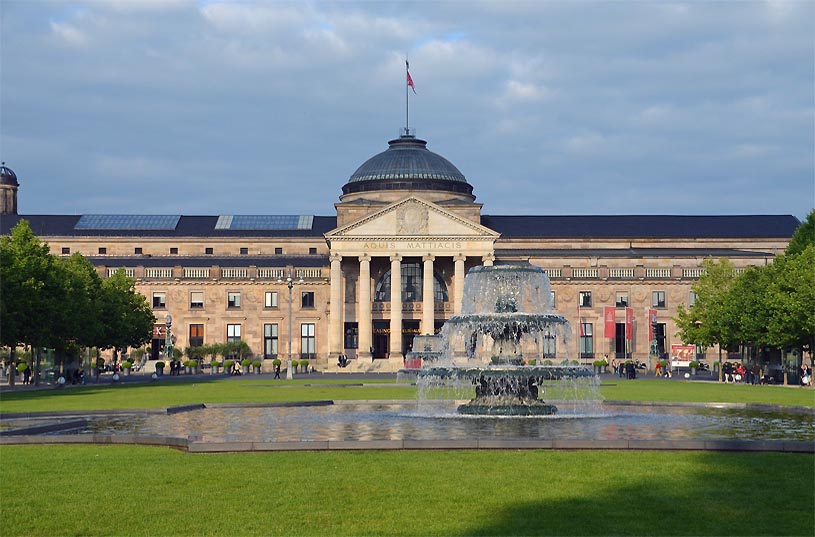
(46, 392)
(725, 494)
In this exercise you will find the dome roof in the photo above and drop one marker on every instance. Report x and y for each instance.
(407, 164)
(7, 176)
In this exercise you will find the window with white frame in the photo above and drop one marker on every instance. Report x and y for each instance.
(270, 340)
(585, 299)
(586, 340)
(691, 298)
(270, 299)
(658, 299)
(307, 299)
(622, 300)
(233, 299)
(308, 341)
(553, 298)
(233, 333)
(159, 300)
(196, 299)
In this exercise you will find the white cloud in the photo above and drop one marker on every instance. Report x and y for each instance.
(68, 33)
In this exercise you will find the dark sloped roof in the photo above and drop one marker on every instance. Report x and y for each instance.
(628, 252)
(188, 226)
(643, 226)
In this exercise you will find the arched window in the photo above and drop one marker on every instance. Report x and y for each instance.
(411, 285)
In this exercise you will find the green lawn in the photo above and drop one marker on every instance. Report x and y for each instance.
(136, 490)
(164, 394)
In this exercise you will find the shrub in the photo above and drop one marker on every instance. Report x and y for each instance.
(137, 354)
(304, 363)
(159, 365)
(257, 363)
(246, 362)
(575, 362)
(193, 363)
(276, 362)
(694, 364)
(547, 362)
(127, 364)
(532, 362)
(598, 363)
(228, 364)
(21, 367)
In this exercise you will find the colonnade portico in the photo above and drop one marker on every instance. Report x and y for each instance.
(363, 309)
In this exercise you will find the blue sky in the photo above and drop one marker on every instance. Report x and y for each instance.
(185, 107)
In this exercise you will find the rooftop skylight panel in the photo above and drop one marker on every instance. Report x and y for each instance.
(264, 222)
(127, 221)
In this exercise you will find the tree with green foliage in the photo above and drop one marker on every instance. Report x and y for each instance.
(710, 320)
(127, 318)
(803, 236)
(32, 295)
(790, 301)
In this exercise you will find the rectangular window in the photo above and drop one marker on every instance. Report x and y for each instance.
(208, 251)
(586, 340)
(622, 300)
(270, 340)
(233, 333)
(312, 251)
(351, 336)
(159, 300)
(233, 299)
(66, 251)
(308, 342)
(244, 251)
(137, 251)
(103, 250)
(173, 251)
(196, 299)
(553, 298)
(307, 299)
(278, 251)
(658, 299)
(196, 335)
(585, 299)
(549, 346)
(691, 298)
(271, 299)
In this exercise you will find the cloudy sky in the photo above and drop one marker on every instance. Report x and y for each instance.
(222, 107)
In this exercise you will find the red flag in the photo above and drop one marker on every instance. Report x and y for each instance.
(609, 321)
(409, 79)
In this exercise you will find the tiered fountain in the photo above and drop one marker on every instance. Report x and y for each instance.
(497, 344)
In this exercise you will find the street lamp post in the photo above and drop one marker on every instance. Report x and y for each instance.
(290, 284)
(168, 344)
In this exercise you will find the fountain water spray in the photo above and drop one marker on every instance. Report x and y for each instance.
(497, 344)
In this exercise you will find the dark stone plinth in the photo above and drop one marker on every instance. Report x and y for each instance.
(476, 408)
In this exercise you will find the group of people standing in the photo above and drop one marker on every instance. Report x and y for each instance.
(624, 369)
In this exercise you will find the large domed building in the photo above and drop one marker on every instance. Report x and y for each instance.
(390, 264)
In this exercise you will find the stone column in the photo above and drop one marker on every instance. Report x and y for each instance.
(428, 296)
(335, 331)
(487, 260)
(396, 307)
(364, 309)
(458, 283)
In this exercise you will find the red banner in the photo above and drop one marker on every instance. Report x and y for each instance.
(652, 319)
(609, 321)
(629, 324)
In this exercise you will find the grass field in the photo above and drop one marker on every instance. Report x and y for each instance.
(156, 395)
(131, 490)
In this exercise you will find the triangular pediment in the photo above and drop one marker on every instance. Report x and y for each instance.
(411, 217)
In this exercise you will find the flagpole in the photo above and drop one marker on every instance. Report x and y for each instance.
(407, 98)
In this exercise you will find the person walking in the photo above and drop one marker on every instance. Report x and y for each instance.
(277, 371)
